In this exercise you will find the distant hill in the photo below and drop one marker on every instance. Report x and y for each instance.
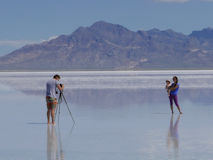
(106, 46)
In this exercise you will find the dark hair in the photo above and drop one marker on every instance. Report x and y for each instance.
(176, 78)
(56, 76)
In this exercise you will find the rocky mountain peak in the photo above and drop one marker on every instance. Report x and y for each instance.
(206, 33)
(110, 46)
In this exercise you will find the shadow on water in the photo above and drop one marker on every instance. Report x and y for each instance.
(173, 137)
(55, 147)
(36, 123)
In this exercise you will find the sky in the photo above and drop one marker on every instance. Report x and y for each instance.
(33, 21)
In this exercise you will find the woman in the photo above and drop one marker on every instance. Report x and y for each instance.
(173, 94)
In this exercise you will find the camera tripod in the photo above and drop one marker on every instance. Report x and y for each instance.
(60, 99)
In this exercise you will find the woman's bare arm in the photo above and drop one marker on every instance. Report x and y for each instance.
(174, 88)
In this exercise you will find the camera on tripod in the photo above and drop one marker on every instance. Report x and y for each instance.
(60, 86)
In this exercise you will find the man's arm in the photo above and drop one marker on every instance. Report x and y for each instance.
(60, 87)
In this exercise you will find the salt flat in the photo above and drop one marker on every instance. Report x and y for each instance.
(119, 115)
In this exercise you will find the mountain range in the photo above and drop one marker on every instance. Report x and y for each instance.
(106, 46)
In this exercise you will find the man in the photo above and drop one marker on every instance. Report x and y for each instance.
(51, 99)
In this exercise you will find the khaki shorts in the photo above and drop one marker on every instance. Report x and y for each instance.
(51, 102)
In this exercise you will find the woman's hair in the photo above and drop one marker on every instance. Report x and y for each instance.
(176, 78)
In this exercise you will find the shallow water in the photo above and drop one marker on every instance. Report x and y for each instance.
(119, 116)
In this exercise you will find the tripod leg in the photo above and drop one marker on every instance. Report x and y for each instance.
(68, 108)
(58, 105)
(59, 112)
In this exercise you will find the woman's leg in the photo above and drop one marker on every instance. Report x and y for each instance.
(171, 103)
(176, 103)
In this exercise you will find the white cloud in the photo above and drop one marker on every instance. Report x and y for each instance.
(49, 39)
(52, 37)
(16, 43)
(207, 0)
(20, 43)
(180, 1)
(175, 1)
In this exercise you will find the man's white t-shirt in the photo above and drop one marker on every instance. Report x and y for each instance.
(51, 86)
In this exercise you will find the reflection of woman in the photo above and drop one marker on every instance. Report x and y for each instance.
(173, 94)
(173, 134)
(51, 143)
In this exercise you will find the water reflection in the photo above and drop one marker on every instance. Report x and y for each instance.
(54, 144)
(173, 137)
(117, 88)
(55, 150)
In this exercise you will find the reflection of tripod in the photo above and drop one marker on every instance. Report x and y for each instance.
(61, 97)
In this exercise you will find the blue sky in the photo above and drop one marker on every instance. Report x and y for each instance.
(32, 21)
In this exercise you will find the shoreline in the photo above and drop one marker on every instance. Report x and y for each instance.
(90, 70)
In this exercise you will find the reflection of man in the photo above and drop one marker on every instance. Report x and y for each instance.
(51, 99)
(54, 144)
(173, 134)
(51, 143)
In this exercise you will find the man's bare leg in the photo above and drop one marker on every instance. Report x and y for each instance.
(53, 116)
(48, 116)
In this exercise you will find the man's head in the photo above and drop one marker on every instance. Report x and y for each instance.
(57, 77)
